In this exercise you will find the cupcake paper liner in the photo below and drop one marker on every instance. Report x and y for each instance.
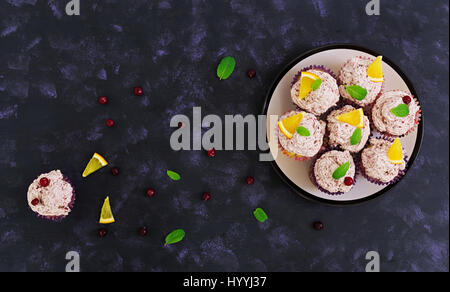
(376, 181)
(350, 102)
(312, 67)
(71, 204)
(314, 180)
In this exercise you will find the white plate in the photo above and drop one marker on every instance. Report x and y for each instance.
(296, 173)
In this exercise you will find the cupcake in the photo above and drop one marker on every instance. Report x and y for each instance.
(334, 172)
(51, 196)
(348, 128)
(382, 162)
(315, 90)
(300, 134)
(395, 113)
(356, 85)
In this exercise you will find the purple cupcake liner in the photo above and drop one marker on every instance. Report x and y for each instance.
(71, 204)
(376, 181)
(348, 101)
(313, 179)
(312, 67)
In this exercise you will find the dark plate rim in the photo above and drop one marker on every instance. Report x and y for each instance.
(408, 82)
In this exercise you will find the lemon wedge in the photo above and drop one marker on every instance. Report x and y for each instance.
(375, 70)
(96, 162)
(354, 118)
(306, 81)
(289, 125)
(395, 152)
(106, 216)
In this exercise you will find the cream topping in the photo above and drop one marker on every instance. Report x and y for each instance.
(341, 133)
(302, 145)
(320, 100)
(376, 163)
(385, 121)
(54, 200)
(354, 72)
(327, 164)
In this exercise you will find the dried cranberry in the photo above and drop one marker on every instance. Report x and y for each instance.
(180, 124)
(44, 182)
(114, 171)
(348, 181)
(143, 231)
(102, 232)
(110, 123)
(150, 192)
(206, 196)
(407, 99)
(318, 225)
(138, 91)
(212, 152)
(251, 73)
(250, 180)
(102, 100)
(35, 202)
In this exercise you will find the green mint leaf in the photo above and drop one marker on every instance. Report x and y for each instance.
(401, 111)
(260, 215)
(316, 84)
(226, 68)
(302, 131)
(341, 171)
(356, 91)
(356, 137)
(175, 236)
(173, 175)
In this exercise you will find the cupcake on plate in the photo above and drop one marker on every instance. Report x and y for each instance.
(396, 113)
(300, 135)
(383, 162)
(51, 196)
(334, 172)
(348, 128)
(361, 80)
(315, 90)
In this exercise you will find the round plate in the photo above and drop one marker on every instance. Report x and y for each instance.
(278, 101)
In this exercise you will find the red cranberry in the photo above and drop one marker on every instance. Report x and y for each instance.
(114, 171)
(44, 182)
(102, 232)
(250, 180)
(212, 152)
(348, 181)
(35, 202)
(407, 99)
(102, 100)
(150, 193)
(251, 73)
(206, 196)
(143, 231)
(180, 124)
(318, 225)
(110, 123)
(138, 91)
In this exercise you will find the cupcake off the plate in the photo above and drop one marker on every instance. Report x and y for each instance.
(51, 195)
(315, 90)
(348, 128)
(300, 134)
(334, 172)
(395, 113)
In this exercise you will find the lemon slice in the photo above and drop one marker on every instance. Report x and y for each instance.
(106, 216)
(306, 80)
(289, 125)
(96, 162)
(354, 118)
(375, 70)
(395, 152)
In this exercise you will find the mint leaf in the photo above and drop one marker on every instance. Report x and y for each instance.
(341, 171)
(173, 175)
(175, 236)
(226, 68)
(401, 111)
(316, 84)
(260, 215)
(356, 91)
(302, 131)
(356, 137)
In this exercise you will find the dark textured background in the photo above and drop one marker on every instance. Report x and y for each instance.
(53, 68)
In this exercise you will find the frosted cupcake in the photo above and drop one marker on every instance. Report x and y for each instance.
(300, 134)
(348, 128)
(51, 196)
(315, 90)
(334, 172)
(395, 113)
(361, 80)
(383, 162)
